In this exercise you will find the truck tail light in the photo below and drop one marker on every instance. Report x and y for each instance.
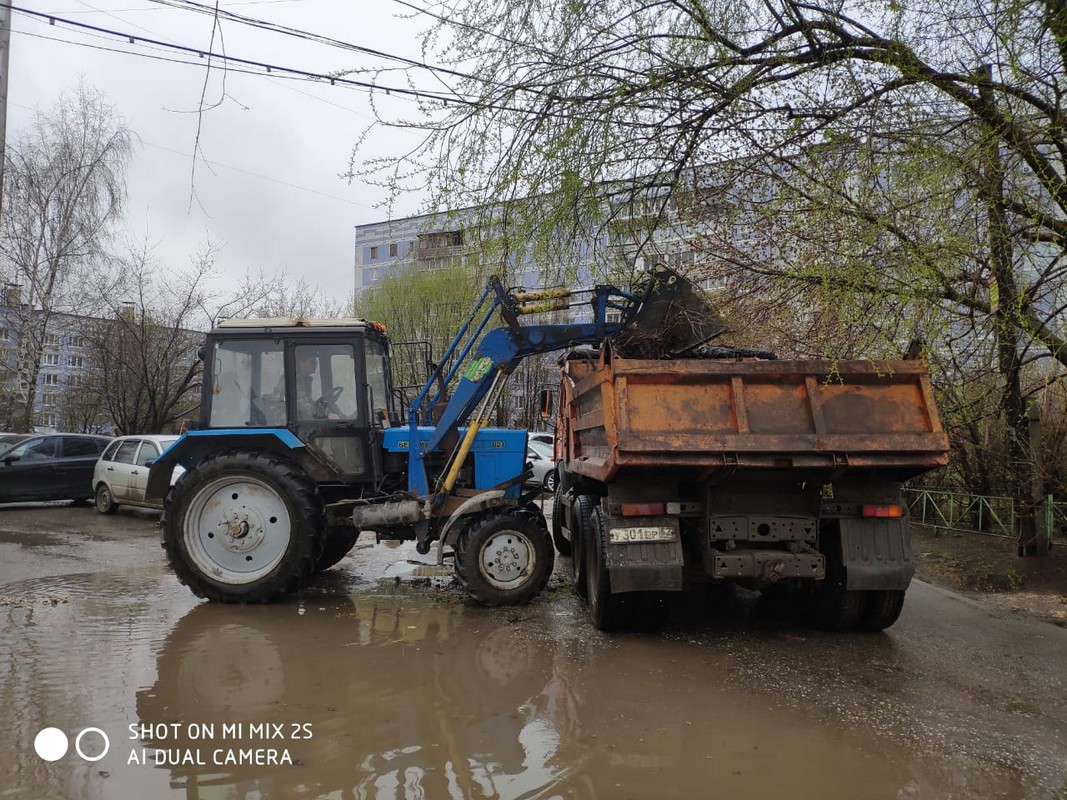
(890, 511)
(642, 509)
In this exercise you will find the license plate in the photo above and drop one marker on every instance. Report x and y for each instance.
(626, 535)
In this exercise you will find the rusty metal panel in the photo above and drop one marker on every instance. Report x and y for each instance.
(628, 414)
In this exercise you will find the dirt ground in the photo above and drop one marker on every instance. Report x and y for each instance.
(990, 568)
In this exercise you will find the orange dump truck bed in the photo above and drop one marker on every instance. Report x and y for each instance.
(812, 418)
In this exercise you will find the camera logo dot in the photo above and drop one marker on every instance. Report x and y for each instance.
(91, 744)
(51, 744)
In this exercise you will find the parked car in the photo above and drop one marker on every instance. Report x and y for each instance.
(50, 467)
(544, 467)
(121, 474)
(542, 438)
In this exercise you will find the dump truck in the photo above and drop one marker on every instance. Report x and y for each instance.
(737, 468)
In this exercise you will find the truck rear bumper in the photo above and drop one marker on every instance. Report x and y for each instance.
(768, 566)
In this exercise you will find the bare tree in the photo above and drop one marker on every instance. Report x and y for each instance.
(64, 186)
(144, 359)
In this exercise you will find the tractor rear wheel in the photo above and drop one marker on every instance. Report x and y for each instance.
(340, 539)
(244, 527)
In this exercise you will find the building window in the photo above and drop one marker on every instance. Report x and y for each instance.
(49, 420)
(52, 340)
(373, 253)
(392, 249)
(3, 334)
(77, 361)
(74, 381)
(51, 379)
(49, 399)
(78, 341)
(50, 360)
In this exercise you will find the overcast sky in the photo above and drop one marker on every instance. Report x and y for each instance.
(269, 194)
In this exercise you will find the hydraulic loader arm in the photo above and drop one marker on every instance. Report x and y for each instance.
(499, 352)
(665, 306)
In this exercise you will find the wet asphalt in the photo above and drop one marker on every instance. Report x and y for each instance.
(384, 681)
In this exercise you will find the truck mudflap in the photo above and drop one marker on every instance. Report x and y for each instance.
(644, 554)
(876, 553)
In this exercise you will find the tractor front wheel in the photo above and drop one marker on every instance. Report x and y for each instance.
(505, 557)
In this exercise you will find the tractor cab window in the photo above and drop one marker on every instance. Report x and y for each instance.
(377, 381)
(325, 382)
(247, 384)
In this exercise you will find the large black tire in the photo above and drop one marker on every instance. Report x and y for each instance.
(608, 611)
(244, 527)
(105, 502)
(505, 557)
(838, 609)
(883, 609)
(340, 539)
(564, 546)
(580, 535)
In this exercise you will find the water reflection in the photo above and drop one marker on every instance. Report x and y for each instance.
(401, 698)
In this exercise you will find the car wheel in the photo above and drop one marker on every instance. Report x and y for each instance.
(550, 481)
(105, 503)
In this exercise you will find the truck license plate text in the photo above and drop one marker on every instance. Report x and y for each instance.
(625, 535)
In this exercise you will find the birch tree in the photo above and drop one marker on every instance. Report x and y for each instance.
(64, 189)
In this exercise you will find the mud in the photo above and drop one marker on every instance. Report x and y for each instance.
(384, 681)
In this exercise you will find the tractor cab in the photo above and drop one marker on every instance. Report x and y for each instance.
(325, 381)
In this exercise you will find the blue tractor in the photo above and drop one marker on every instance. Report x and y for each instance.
(300, 447)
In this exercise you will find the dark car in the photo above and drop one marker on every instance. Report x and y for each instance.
(57, 466)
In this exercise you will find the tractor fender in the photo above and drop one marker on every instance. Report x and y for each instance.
(480, 502)
(190, 449)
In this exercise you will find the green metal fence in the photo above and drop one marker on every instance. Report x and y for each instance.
(997, 516)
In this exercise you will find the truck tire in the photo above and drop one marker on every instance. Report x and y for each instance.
(244, 527)
(505, 557)
(608, 611)
(838, 609)
(340, 539)
(883, 609)
(583, 513)
(564, 546)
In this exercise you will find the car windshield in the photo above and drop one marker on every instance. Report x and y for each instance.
(542, 449)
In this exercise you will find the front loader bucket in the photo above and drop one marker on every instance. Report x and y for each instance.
(674, 317)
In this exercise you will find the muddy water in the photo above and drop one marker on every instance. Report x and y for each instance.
(399, 688)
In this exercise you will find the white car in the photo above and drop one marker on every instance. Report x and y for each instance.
(121, 474)
(542, 438)
(540, 459)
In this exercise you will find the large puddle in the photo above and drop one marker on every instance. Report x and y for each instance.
(398, 689)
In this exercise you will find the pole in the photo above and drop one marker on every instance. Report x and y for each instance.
(5, 49)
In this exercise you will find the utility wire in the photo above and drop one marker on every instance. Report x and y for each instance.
(419, 94)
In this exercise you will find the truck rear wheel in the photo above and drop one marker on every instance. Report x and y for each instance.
(608, 611)
(563, 545)
(583, 512)
(838, 609)
(883, 609)
(505, 558)
(244, 527)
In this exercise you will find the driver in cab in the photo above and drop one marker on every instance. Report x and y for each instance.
(307, 406)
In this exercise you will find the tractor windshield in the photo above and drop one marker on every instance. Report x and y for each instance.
(247, 384)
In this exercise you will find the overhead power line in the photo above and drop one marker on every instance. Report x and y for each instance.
(259, 66)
